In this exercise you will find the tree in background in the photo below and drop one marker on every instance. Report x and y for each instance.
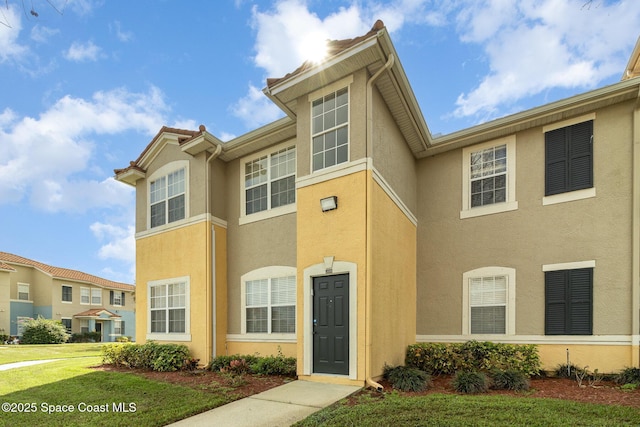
(44, 331)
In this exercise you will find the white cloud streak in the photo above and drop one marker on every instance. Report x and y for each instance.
(82, 52)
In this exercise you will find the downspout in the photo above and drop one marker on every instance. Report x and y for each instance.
(209, 246)
(635, 236)
(369, 152)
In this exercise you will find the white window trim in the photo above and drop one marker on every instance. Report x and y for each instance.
(269, 213)
(511, 203)
(270, 272)
(569, 265)
(570, 196)
(85, 303)
(164, 171)
(510, 315)
(313, 96)
(186, 336)
(114, 298)
(28, 291)
(63, 301)
(91, 292)
(116, 334)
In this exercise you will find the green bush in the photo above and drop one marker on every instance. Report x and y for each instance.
(567, 370)
(439, 358)
(156, 357)
(470, 382)
(407, 378)
(628, 376)
(509, 380)
(44, 331)
(268, 365)
(222, 363)
(86, 337)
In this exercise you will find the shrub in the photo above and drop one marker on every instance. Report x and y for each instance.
(275, 365)
(4, 338)
(567, 370)
(237, 366)
(470, 382)
(439, 358)
(407, 378)
(222, 363)
(123, 339)
(628, 376)
(510, 380)
(156, 357)
(44, 331)
(86, 337)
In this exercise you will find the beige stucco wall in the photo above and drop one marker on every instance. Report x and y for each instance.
(591, 229)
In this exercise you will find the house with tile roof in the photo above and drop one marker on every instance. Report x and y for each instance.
(81, 301)
(346, 231)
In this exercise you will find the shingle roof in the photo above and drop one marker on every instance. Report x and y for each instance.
(6, 267)
(62, 273)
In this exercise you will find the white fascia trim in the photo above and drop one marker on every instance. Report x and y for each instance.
(570, 196)
(269, 213)
(21, 300)
(534, 339)
(393, 196)
(182, 223)
(569, 122)
(569, 265)
(338, 171)
(264, 338)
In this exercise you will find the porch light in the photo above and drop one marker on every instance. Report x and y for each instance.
(329, 203)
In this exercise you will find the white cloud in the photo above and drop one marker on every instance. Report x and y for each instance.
(255, 109)
(122, 35)
(10, 27)
(81, 52)
(117, 243)
(47, 159)
(42, 34)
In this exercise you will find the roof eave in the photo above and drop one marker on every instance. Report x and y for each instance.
(130, 176)
(203, 142)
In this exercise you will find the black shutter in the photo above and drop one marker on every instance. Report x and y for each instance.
(122, 327)
(557, 163)
(581, 155)
(556, 310)
(111, 297)
(123, 299)
(580, 284)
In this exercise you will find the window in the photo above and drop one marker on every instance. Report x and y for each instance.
(489, 178)
(167, 198)
(85, 296)
(84, 326)
(169, 308)
(23, 291)
(67, 293)
(66, 322)
(568, 301)
(118, 327)
(96, 296)
(20, 324)
(330, 129)
(489, 301)
(569, 158)
(270, 181)
(116, 298)
(269, 301)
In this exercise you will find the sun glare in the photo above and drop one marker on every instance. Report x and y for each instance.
(314, 48)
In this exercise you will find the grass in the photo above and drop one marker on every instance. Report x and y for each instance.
(71, 382)
(456, 410)
(21, 353)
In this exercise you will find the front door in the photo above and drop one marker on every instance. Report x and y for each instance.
(99, 329)
(331, 324)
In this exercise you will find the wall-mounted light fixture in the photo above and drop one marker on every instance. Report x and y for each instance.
(329, 203)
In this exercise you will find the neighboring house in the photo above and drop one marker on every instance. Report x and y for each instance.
(82, 302)
(346, 231)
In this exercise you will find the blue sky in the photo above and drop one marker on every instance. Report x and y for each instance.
(86, 84)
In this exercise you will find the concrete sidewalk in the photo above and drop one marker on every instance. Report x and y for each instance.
(280, 406)
(14, 365)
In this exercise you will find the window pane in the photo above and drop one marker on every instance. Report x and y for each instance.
(488, 320)
(158, 321)
(67, 293)
(158, 214)
(283, 290)
(177, 320)
(157, 190)
(283, 192)
(257, 320)
(256, 199)
(257, 292)
(158, 297)
(176, 208)
(283, 319)
(175, 183)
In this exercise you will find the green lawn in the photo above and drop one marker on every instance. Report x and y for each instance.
(455, 410)
(21, 353)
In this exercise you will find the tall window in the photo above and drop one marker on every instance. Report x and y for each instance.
(118, 327)
(116, 298)
(23, 291)
(488, 173)
(569, 158)
(66, 322)
(168, 307)
(270, 181)
(67, 293)
(167, 198)
(330, 129)
(270, 305)
(569, 302)
(96, 296)
(488, 302)
(85, 296)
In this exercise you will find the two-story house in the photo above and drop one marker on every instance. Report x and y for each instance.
(82, 302)
(346, 231)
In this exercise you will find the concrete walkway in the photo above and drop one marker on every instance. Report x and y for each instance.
(280, 406)
(8, 366)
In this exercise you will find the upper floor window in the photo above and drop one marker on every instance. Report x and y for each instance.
(167, 198)
(270, 181)
(116, 298)
(23, 291)
(330, 129)
(96, 296)
(67, 293)
(569, 158)
(489, 178)
(85, 296)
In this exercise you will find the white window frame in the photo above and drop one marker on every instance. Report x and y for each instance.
(510, 203)
(171, 336)
(164, 171)
(96, 293)
(117, 327)
(28, 287)
(62, 294)
(117, 298)
(266, 273)
(88, 296)
(269, 212)
(510, 309)
(314, 96)
(84, 326)
(67, 318)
